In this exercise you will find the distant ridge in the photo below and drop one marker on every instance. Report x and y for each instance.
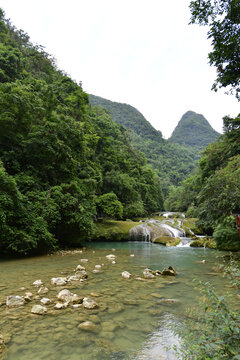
(129, 117)
(194, 130)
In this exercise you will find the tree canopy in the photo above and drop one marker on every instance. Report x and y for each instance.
(223, 19)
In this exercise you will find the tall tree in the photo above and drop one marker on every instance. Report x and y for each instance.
(223, 19)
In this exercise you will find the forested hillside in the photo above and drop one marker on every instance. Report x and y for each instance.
(173, 160)
(62, 162)
(194, 130)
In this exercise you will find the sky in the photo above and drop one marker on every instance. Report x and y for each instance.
(139, 52)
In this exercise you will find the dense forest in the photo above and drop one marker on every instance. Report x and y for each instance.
(172, 160)
(63, 163)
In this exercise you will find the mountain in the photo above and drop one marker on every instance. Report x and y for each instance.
(129, 117)
(172, 162)
(194, 130)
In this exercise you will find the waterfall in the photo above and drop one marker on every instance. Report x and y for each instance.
(172, 231)
(140, 232)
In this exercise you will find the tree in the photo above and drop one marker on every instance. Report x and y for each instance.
(223, 18)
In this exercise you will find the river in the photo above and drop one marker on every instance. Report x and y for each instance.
(132, 321)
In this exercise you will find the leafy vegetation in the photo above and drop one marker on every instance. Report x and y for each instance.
(63, 164)
(214, 334)
(223, 19)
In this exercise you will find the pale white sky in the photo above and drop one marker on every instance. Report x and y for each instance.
(139, 52)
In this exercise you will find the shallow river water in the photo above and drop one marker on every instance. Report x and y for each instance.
(131, 323)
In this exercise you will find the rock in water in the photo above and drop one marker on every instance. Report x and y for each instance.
(59, 281)
(88, 326)
(37, 283)
(126, 275)
(80, 267)
(13, 301)
(45, 301)
(39, 310)
(89, 303)
(111, 257)
(148, 274)
(43, 290)
(170, 271)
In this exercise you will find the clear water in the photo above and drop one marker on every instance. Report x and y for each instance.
(131, 322)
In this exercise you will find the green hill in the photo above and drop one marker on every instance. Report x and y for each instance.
(194, 130)
(129, 117)
(172, 162)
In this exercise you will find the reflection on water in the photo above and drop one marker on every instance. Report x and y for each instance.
(131, 323)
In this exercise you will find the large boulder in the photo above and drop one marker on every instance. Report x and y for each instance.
(14, 301)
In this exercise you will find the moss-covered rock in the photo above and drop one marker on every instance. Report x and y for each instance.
(167, 241)
(112, 230)
(204, 242)
(190, 227)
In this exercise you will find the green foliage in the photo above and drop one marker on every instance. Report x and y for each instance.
(220, 195)
(215, 333)
(62, 163)
(227, 237)
(231, 269)
(109, 205)
(223, 19)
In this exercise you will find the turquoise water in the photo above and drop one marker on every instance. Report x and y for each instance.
(131, 321)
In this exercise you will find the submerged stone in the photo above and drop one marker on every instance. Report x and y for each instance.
(13, 301)
(88, 326)
(43, 290)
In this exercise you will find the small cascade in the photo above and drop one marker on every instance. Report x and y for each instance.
(140, 233)
(173, 231)
(185, 242)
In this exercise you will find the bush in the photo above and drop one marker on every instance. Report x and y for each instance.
(215, 334)
(227, 238)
